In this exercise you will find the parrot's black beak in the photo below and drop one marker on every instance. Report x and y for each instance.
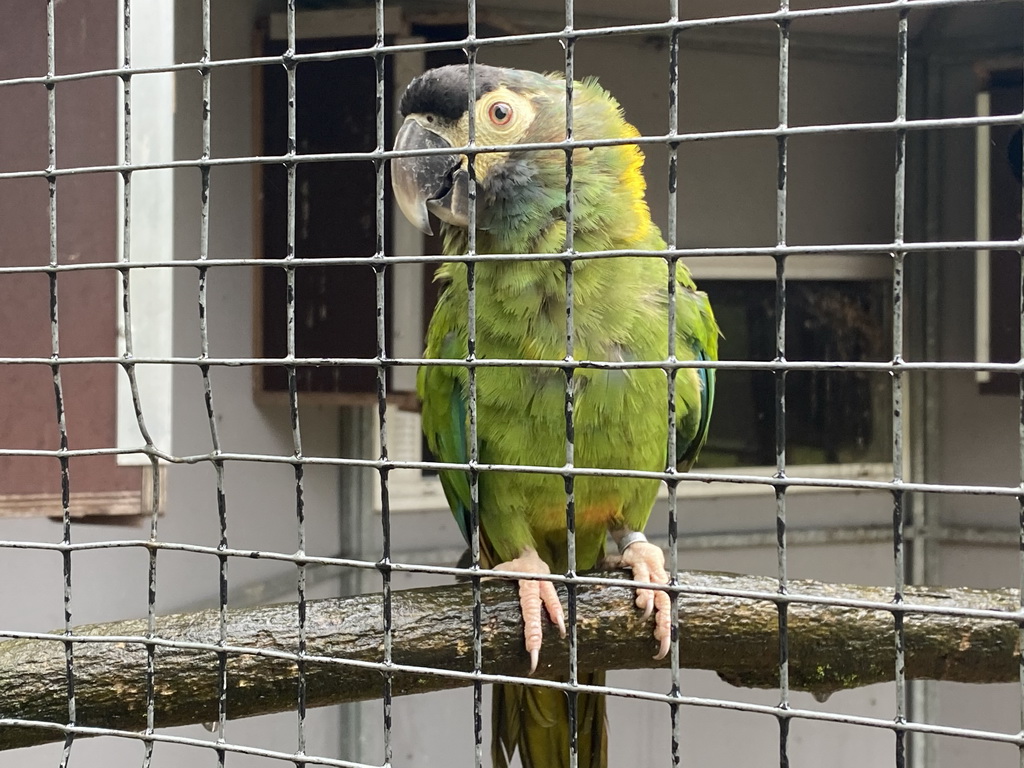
(435, 183)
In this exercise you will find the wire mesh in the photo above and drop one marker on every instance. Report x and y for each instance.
(904, 533)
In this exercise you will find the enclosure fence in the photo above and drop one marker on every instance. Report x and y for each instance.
(901, 482)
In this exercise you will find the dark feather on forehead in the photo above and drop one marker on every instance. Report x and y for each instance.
(444, 91)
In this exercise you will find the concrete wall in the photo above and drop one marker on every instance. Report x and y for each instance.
(978, 434)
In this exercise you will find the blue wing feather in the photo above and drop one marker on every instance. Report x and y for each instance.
(689, 445)
(451, 447)
(444, 426)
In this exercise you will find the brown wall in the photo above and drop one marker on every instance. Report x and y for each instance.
(86, 119)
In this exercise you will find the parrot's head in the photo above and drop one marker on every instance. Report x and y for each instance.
(519, 192)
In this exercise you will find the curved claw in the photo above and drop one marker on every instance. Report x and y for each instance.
(535, 595)
(647, 562)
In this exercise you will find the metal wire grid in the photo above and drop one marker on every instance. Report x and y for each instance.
(781, 483)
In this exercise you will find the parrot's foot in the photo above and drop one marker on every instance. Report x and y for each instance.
(647, 561)
(533, 594)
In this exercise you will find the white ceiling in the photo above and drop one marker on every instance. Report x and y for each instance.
(587, 12)
(972, 18)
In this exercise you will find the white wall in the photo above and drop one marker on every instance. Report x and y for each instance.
(979, 434)
(966, 456)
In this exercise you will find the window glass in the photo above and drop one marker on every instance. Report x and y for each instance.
(831, 416)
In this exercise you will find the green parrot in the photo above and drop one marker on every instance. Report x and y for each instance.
(620, 314)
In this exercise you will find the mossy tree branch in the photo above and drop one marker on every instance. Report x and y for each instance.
(830, 648)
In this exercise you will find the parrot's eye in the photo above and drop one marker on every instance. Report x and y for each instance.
(500, 113)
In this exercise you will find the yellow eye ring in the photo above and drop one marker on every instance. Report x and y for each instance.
(500, 113)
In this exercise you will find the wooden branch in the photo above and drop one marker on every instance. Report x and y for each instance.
(830, 648)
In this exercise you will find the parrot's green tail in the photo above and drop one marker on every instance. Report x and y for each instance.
(536, 721)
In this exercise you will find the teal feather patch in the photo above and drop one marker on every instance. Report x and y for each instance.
(444, 423)
(452, 444)
(686, 451)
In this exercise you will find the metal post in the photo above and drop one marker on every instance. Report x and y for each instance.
(356, 439)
